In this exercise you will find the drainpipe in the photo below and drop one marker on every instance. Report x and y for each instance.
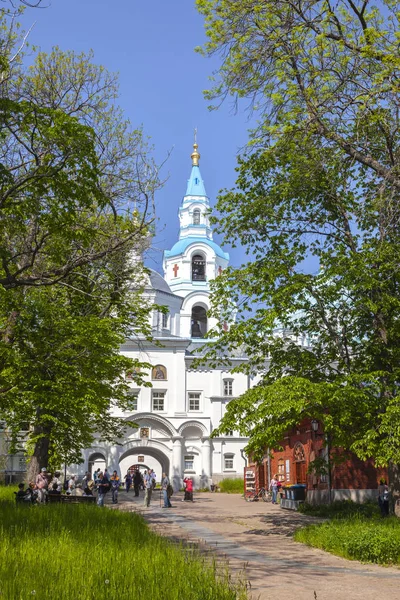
(269, 467)
(244, 457)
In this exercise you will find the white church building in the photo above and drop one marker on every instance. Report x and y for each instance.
(177, 415)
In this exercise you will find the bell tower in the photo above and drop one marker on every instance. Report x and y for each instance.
(195, 259)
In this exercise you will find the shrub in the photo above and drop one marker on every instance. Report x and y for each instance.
(340, 509)
(232, 486)
(359, 538)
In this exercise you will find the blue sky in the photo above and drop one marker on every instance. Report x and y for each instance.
(151, 46)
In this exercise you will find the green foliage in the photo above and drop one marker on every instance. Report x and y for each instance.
(94, 549)
(231, 486)
(76, 212)
(340, 509)
(369, 540)
(316, 208)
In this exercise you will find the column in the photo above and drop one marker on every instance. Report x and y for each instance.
(113, 460)
(206, 461)
(176, 467)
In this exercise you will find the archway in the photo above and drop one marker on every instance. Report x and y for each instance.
(198, 268)
(199, 321)
(96, 460)
(152, 458)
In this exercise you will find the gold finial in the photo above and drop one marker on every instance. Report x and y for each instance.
(195, 156)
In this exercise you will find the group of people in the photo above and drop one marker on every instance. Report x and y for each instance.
(135, 479)
(48, 484)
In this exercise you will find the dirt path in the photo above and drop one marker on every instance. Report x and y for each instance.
(258, 537)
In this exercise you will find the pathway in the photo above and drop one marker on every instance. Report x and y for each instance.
(258, 536)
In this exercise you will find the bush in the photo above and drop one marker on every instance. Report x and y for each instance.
(340, 509)
(370, 539)
(232, 486)
(47, 551)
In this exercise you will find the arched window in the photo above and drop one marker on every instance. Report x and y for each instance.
(199, 322)
(198, 268)
(196, 216)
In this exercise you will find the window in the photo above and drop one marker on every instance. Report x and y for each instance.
(198, 268)
(281, 470)
(228, 387)
(196, 217)
(165, 321)
(132, 399)
(199, 322)
(189, 463)
(228, 462)
(194, 400)
(158, 401)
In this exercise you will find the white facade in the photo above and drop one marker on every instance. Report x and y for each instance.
(177, 414)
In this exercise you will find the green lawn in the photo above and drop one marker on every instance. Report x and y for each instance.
(65, 552)
(354, 531)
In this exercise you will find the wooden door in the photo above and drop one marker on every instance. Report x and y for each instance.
(301, 475)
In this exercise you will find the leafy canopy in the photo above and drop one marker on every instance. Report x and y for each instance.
(316, 209)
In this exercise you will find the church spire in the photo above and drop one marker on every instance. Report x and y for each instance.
(195, 156)
(195, 185)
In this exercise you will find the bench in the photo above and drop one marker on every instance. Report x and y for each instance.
(77, 499)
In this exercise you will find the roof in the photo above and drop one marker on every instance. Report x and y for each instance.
(181, 246)
(195, 186)
(158, 282)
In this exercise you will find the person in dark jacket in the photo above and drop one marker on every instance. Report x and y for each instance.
(137, 481)
(128, 481)
(103, 486)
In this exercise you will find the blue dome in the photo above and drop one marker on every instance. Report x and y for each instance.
(182, 245)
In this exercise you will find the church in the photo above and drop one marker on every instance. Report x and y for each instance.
(177, 415)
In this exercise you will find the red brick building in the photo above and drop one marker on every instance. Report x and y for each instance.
(349, 476)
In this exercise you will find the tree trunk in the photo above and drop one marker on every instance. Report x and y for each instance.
(394, 486)
(40, 456)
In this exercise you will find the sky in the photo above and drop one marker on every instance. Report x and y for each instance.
(151, 46)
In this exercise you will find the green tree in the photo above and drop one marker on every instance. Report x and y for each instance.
(76, 211)
(320, 190)
(63, 371)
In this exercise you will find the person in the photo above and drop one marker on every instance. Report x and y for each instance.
(102, 486)
(128, 481)
(42, 483)
(154, 476)
(273, 486)
(188, 489)
(137, 482)
(32, 493)
(165, 484)
(96, 476)
(115, 481)
(383, 497)
(22, 493)
(56, 480)
(148, 486)
(106, 475)
(88, 484)
(54, 491)
(72, 486)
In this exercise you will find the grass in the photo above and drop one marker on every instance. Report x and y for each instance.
(231, 486)
(355, 532)
(69, 551)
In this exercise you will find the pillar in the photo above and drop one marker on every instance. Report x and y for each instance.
(176, 471)
(113, 460)
(206, 461)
